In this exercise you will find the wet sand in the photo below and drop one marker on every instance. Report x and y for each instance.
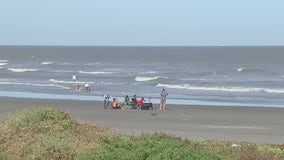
(250, 124)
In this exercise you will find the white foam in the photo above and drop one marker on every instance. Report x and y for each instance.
(3, 60)
(269, 90)
(225, 89)
(83, 72)
(66, 64)
(144, 79)
(47, 63)
(68, 82)
(193, 79)
(241, 69)
(92, 64)
(35, 84)
(149, 72)
(3, 64)
(64, 82)
(22, 70)
(246, 69)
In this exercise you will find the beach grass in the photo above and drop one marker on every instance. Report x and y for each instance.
(48, 133)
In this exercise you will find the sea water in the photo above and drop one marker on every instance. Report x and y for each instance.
(227, 76)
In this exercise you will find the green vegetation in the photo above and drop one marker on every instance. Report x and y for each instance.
(48, 133)
(146, 147)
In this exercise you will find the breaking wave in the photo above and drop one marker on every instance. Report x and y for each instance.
(22, 70)
(144, 79)
(225, 89)
(47, 63)
(149, 72)
(34, 84)
(83, 72)
(3, 60)
(92, 64)
(245, 69)
(3, 63)
(68, 82)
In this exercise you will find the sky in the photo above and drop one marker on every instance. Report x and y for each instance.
(142, 22)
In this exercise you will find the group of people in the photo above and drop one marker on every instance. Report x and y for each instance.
(135, 103)
(78, 89)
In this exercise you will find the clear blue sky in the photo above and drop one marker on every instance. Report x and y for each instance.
(142, 22)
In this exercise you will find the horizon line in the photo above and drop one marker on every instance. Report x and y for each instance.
(141, 45)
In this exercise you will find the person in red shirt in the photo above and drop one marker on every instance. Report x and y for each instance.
(140, 103)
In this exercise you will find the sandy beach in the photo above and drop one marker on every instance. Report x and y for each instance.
(250, 124)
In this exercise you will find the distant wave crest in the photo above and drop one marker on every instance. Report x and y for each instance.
(3, 64)
(149, 72)
(92, 64)
(3, 60)
(47, 63)
(242, 69)
(35, 84)
(144, 79)
(83, 72)
(22, 70)
(246, 69)
(225, 89)
(68, 82)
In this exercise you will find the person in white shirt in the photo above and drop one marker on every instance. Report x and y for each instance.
(87, 86)
(74, 77)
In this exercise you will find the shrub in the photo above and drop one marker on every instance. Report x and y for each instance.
(272, 151)
(3, 156)
(47, 133)
(146, 147)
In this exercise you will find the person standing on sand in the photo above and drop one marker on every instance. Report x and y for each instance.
(164, 95)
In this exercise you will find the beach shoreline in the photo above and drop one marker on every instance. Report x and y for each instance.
(225, 123)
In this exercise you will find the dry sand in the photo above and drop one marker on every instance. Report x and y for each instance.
(251, 124)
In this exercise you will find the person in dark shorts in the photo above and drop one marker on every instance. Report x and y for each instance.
(127, 101)
(164, 96)
(134, 102)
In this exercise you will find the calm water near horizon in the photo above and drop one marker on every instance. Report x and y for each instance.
(233, 76)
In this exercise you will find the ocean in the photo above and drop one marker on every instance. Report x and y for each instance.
(217, 76)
